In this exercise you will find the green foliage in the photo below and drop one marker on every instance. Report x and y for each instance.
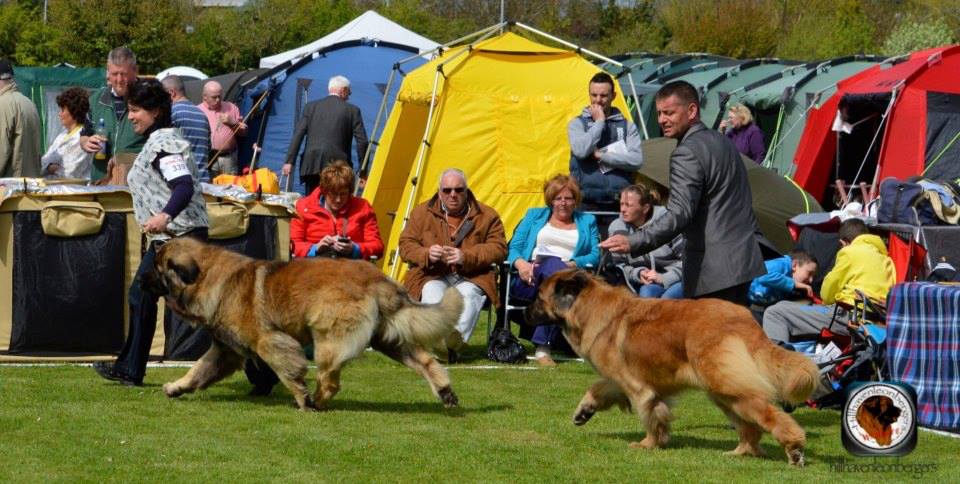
(735, 28)
(913, 35)
(820, 29)
(12, 18)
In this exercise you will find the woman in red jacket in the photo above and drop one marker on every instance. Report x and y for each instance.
(331, 222)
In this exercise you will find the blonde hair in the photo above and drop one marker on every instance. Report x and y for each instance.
(336, 177)
(555, 185)
(743, 112)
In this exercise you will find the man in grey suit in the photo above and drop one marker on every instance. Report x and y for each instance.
(329, 124)
(710, 203)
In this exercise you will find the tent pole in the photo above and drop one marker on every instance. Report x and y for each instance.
(883, 120)
(365, 162)
(478, 33)
(568, 44)
(421, 154)
(633, 90)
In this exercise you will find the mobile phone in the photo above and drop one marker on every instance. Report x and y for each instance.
(344, 240)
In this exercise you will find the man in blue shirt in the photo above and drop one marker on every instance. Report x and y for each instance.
(192, 123)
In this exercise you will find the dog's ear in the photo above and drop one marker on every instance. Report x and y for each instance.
(186, 270)
(565, 291)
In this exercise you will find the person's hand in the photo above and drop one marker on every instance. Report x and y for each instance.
(805, 288)
(326, 241)
(452, 255)
(52, 168)
(240, 126)
(597, 113)
(616, 244)
(650, 276)
(157, 224)
(287, 168)
(91, 144)
(434, 253)
(597, 154)
(342, 245)
(225, 119)
(724, 124)
(525, 270)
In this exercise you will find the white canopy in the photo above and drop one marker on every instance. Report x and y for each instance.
(185, 72)
(370, 25)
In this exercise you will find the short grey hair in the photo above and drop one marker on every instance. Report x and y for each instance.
(452, 171)
(337, 82)
(174, 83)
(122, 56)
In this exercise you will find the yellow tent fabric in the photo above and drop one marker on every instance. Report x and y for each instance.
(500, 115)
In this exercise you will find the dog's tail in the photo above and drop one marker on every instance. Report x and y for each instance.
(793, 375)
(408, 322)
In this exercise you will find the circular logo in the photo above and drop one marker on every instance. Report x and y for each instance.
(879, 416)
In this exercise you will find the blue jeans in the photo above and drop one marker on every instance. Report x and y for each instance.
(675, 291)
(548, 334)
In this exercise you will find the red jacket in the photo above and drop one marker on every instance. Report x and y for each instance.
(313, 222)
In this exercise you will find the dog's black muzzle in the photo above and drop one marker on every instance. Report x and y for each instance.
(152, 282)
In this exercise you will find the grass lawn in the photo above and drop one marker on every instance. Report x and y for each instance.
(64, 424)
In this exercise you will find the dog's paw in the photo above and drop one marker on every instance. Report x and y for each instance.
(795, 457)
(172, 390)
(647, 443)
(448, 398)
(583, 415)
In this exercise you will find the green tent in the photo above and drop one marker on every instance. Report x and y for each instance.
(776, 198)
(780, 102)
(714, 100)
(43, 84)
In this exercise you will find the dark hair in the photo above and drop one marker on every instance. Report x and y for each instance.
(150, 94)
(76, 101)
(603, 78)
(851, 229)
(802, 257)
(682, 89)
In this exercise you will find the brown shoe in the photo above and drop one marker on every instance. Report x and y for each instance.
(546, 361)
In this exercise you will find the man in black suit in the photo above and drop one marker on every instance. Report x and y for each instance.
(329, 125)
(710, 203)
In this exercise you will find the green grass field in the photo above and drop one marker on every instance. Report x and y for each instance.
(64, 424)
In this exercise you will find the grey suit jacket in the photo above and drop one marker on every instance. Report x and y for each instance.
(711, 204)
(330, 125)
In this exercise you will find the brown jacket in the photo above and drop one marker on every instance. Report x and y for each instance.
(484, 245)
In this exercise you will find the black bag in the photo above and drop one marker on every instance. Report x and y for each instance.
(504, 347)
(901, 203)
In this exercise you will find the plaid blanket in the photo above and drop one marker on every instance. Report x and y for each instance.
(923, 348)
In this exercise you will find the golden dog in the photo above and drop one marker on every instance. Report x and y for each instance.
(649, 349)
(876, 415)
(272, 308)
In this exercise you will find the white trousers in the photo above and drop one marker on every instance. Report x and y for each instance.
(473, 299)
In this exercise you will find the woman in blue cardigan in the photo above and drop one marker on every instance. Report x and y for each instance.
(550, 239)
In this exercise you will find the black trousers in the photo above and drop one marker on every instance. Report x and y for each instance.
(735, 294)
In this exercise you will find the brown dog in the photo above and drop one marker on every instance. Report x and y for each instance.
(877, 415)
(272, 308)
(649, 349)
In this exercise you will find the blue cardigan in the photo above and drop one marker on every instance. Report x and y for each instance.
(587, 251)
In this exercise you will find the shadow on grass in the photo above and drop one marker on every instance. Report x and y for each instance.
(680, 441)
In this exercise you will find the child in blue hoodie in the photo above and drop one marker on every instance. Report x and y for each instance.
(784, 276)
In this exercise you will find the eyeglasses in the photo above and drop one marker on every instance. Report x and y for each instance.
(453, 189)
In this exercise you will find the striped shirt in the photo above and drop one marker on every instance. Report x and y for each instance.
(195, 129)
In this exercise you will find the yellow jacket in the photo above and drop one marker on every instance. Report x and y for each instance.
(862, 265)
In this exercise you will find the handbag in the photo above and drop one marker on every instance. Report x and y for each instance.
(227, 219)
(504, 347)
(64, 218)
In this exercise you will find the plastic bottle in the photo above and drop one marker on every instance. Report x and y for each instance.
(102, 131)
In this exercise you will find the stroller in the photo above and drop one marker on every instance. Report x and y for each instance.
(844, 359)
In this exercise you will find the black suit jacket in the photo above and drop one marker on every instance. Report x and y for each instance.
(711, 204)
(329, 124)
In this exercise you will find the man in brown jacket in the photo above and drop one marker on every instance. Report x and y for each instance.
(452, 240)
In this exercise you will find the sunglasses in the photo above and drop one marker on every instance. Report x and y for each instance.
(451, 190)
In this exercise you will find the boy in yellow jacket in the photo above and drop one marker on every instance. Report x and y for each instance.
(862, 263)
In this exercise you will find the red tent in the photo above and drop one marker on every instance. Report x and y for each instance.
(905, 121)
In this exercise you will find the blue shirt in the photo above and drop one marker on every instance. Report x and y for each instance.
(586, 253)
(195, 129)
(775, 285)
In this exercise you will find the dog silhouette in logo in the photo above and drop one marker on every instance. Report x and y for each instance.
(876, 415)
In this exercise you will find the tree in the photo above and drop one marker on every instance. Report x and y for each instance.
(13, 17)
(914, 35)
(822, 29)
(736, 28)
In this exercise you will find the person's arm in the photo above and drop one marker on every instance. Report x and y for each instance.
(515, 250)
(491, 251)
(686, 187)
(836, 278)
(591, 258)
(173, 168)
(51, 157)
(298, 133)
(632, 160)
(372, 244)
(239, 125)
(411, 247)
(757, 147)
(360, 135)
(583, 142)
(778, 276)
(298, 236)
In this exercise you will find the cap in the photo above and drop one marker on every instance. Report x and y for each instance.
(6, 70)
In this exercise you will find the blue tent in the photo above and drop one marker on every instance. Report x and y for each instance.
(281, 94)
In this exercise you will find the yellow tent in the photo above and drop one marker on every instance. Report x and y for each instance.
(500, 114)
